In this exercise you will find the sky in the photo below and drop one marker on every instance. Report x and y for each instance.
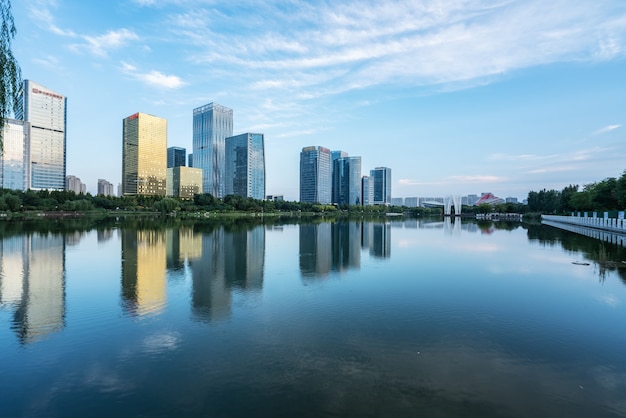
(455, 96)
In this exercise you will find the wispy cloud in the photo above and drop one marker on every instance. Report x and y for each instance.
(416, 43)
(100, 45)
(154, 78)
(606, 129)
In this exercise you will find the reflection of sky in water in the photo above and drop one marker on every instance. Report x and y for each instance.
(333, 319)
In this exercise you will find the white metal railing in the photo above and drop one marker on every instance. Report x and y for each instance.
(609, 224)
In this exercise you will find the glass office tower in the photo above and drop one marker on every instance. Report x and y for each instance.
(46, 111)
(15, 155)
(382, 185)
(144, 155)
(245, 166)
(176, 157)
(212, 124)
(347, 181)
(315, 175)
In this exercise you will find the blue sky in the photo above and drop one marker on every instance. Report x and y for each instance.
(456, 96)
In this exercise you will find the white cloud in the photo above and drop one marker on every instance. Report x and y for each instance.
(101, 44)
(606, 129)
(153, 78)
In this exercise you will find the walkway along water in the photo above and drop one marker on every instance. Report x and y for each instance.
(612, 230)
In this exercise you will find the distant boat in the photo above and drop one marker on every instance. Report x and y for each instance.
(580, 263)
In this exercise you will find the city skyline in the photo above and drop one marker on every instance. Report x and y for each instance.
(457, 98)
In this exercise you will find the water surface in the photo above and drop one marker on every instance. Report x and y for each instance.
(403, 318)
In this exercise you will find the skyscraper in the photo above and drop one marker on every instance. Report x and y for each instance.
(184, 182)
(245, 165)
(367, 190)
(144, 155)
(190, 160)
(382, 185)
(176, 157)
(14, 157)
(212, 124)
(334, 156)
(315, 175)
(347, 181)
(46, 111)
(73, 184)
(105, 188)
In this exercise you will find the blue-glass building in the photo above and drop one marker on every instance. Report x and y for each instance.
(382, 185)
(245, 166)
(15, 155)
(367, 190)
(212, 124)
(176, 157)
(347, 181)
(315, 175)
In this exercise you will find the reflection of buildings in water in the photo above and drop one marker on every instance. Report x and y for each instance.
(229, 260)
(410, 223)
(346, 251)
(73, 238)
(315, 249)
(182, 244)
(103, 235)
(469, 227)
(143, 271)
(32, 281)
(329, 246)
(245, 258)
(452, 226)
(377, 238)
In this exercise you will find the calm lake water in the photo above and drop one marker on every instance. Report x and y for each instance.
(365, 319)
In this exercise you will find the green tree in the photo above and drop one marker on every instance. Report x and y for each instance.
(11, 74)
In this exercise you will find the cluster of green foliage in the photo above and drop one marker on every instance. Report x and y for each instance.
(10, 72)
(68, 201)
(606, 195)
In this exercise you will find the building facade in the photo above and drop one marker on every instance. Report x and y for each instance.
(367, 190)
(347, 181)
(190, 160)
(73, 184)
(105, 188)
(382, 185)
(176, 157)
(184, 182)
(15, 155)
(315, 175)
(46, 111)
(144, 155)
(212, 124)
(245, 165)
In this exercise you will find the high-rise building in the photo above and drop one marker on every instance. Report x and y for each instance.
(144, 155)
(347, 181)
(334, 156)
(184, 182)
(245, 165)
(46, 111)
(14, 156)
(212, 124)
(367, 190)
(176, 157)
(105, 188)
(382, 185)
(315, 175)
(190, 160)
(73, 184)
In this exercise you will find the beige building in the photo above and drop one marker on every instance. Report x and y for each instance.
(184, 182)
(144, 155)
